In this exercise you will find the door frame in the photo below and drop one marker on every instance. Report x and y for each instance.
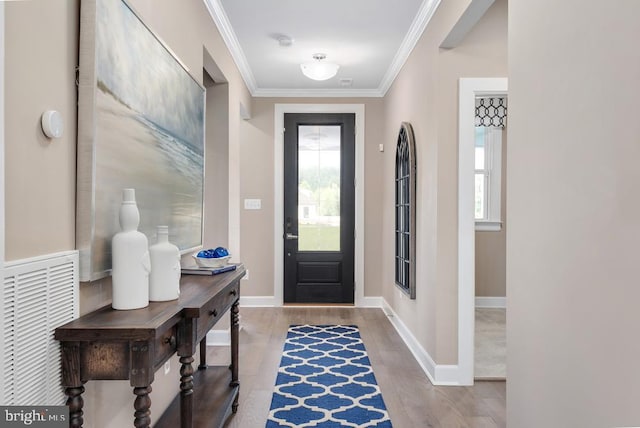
(278, 195)
(469, 88)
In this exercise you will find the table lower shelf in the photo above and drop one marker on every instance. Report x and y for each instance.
(212, 400)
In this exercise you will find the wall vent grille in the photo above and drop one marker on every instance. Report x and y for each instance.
(39, 295)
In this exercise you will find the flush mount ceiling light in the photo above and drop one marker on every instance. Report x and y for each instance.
(318, 69)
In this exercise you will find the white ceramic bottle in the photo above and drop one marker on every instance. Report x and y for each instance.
(130, 258)
(164, 282)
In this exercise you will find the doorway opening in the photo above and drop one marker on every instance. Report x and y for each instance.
(319, 207)
(278, 255)
(469, 90)
(490, 343)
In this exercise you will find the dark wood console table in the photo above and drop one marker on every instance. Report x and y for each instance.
(107, 344)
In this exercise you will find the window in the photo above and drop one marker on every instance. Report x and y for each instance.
(488, 176)
(405, 206)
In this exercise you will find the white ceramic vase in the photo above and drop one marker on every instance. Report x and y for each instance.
(130, 258)
(164, 282)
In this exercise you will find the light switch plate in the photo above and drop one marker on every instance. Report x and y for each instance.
(252, 204)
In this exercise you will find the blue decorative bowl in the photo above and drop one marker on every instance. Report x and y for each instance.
(211, 262)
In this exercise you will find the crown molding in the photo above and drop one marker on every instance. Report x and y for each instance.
(426, 12)
(221, 20)
(317, 93)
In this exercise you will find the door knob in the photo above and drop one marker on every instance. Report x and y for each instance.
(291, 236)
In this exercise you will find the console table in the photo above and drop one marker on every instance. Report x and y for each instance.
(107, 344)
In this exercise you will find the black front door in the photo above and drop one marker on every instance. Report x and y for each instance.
(319, 207)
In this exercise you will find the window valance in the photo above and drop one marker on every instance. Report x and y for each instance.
(491, 111)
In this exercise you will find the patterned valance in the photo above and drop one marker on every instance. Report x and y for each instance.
(491, 112)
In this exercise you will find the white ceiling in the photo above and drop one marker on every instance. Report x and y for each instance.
(369, 39)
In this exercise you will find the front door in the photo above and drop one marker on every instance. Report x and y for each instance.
(319, 207)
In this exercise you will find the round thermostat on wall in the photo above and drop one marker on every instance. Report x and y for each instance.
(52, 125)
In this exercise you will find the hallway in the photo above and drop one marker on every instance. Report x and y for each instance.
(412, 401)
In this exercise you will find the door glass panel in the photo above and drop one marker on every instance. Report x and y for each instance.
(318, 188)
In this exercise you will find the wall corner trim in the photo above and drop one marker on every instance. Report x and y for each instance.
(438, 374)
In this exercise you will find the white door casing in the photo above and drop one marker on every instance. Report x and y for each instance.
(278, 260)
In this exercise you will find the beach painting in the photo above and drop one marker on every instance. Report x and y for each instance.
(141, 126)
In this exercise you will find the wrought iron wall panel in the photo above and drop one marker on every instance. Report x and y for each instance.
(405, 207)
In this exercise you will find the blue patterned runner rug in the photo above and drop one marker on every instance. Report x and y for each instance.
(325, 380)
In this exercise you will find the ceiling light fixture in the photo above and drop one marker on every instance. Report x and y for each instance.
(318, 69)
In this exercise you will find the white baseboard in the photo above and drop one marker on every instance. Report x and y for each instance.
(441, 374)
(491, 302)
(369, 302)
(270, 302)
(219, 337)
(257, 301)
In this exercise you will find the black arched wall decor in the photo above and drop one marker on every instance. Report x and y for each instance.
(405, 204)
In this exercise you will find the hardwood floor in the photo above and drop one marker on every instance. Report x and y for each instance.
(412, 401)
(490, 350)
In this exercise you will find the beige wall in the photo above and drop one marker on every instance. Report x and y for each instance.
(257, 172)
(491, 247)
(41, 48)
(572, 248)
(425, 93)
(216, 216)
(41, 56)
(572, 266)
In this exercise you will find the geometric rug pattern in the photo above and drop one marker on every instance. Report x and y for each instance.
(325, 380)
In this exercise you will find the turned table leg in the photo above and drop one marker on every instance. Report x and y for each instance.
(186, 391)
(75, 403)
(235, 329)
(142, 405)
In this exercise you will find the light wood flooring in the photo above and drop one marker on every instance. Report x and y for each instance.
(412, 401)
(490, 344)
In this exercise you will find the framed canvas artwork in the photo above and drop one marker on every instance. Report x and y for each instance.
(141, 122)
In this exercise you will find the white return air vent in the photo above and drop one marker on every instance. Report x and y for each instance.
(38, 295)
